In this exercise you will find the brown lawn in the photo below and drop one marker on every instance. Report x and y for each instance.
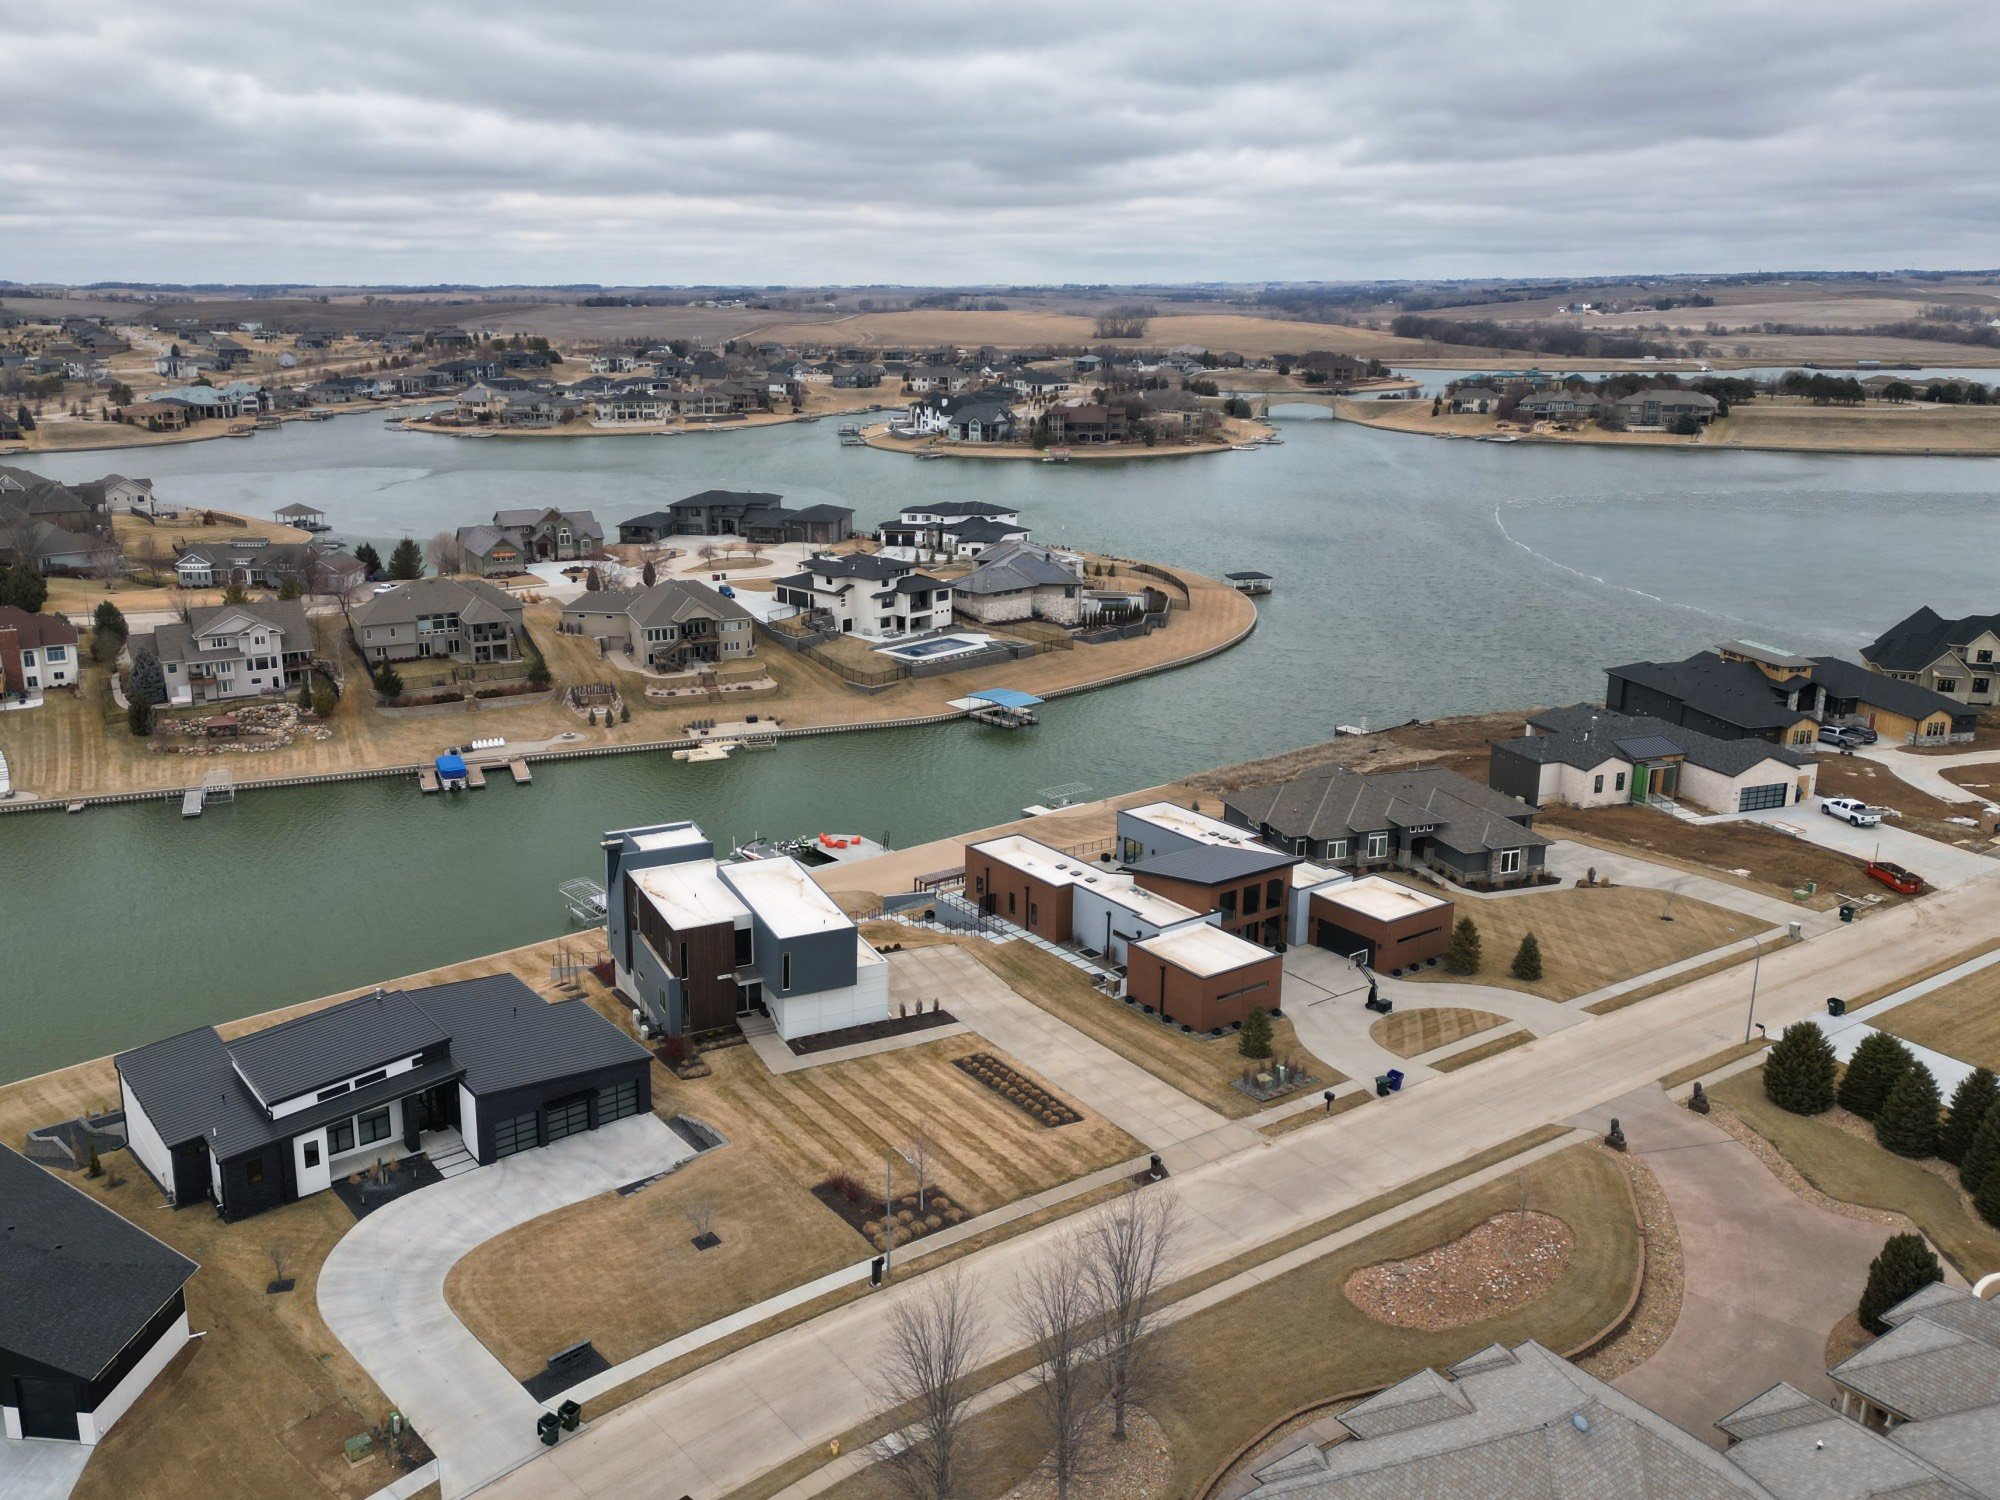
(1200, 1068)
(1411, 1033)
(1961, 1020)
(1591, 937)
(1851, 776)
(1775, 861)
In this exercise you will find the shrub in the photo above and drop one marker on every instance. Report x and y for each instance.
(843, 1186)
(139, 716)
(1873, 1070)
(1461, 954)
(1975, 1095)
(388, 681)
(1907, 1123)
(1254, 1040)
(1982, 1156)
(1906, 1265)
(677, 1050)
(1987, 1199)
(933, 1221)
(325, 700)
(1799, 1073)
(1528, 960)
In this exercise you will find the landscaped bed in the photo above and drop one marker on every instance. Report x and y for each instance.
(1592, 937)
(872, 1031)
(1507, 1262)
(1413, 1032)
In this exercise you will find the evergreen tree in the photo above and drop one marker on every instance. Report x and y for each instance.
(110, 619)
(388, 681)
(1255, 1039)
(147, 680)
(369, 559)
(139, 716)
(1461, 954)
(1908, 1121)
(538, 673)
(1873, 1070)
(1982, 1155)
(1799, 1073)
(1975, 1095)
(305, 694)
(325, 700)
(649, 576)
(1905, 1267)
(1987, 1199)
(24, 588)
(289, 587)
(1528, 960)
(407, 561)
(235, 593)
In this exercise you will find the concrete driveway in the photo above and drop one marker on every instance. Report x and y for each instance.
(382, 1290)
(1922, 771)
(31, 1469)
(1943, 865)
(1767, 1275)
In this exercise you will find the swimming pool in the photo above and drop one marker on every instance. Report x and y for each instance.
(938, 646)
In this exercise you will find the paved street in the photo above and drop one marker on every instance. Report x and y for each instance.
(722, 1425)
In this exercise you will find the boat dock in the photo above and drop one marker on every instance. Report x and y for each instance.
(191, 802)
(1003, 708)
(427, 778)
(1249, 582)
(475, 775)
(522, 776)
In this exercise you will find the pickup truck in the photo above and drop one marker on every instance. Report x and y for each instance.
(1852, 809)
(1903, 882)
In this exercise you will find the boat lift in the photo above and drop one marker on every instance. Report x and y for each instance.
(585, 901)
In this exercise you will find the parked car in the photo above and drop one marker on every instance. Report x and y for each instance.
(1840, 734)
(1853, 809)
(1868, 736)
(1903, 882)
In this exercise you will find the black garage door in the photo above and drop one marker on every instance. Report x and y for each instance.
(617, 1101)
(517, 1134)
(572, 1118)
(48, 1409)
(1757, 798)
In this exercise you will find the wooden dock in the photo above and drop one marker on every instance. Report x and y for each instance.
(475, 775)
(427, 778)
(522, 776)
(191, 802)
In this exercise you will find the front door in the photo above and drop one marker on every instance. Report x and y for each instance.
(48, 1409)
(314, 1174)
(1641, 775)
(749, 997)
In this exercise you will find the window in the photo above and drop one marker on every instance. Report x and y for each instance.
(1274, 893)
(1979, 684)
(374, 1126)
(338, 1088)
(312, 1153)
(1010, 903)
(616, 1101)
(517, 1134)
(1337, 849)
(1982, 657)
(1619, 784)
(253, 1171)
(1226, 903)
(1597, 783)
(1034, 913)
(1253, 898)
(1378, 846)
(367, 1078)
(785, 962)
(1947, 685)
(340, 1137)
(58, 653)
(1803, 736)
(1509, 861)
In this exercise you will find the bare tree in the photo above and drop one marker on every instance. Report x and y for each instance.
(918, 1155)
(1129, 1252)
(708, 551)
(936, 1336)
(700, 1211)
(444, 554)
(1055, 1309)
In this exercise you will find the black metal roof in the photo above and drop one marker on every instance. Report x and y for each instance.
(1213, 864)
(77, 1281)
(504, 1035)
(296, 1057)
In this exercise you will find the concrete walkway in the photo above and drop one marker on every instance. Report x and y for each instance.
(34, 1469)
(1923, 771)
(381, 1290)
(1145, 1108)
(1767, 1275)
(719, 1427)
(1942, 865)
(1572, 861)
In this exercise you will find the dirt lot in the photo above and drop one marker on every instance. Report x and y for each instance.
(1961, 1020)
(1591, 938)
(1851, 776)
(1459, 743)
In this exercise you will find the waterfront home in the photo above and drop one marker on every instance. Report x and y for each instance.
(1088, 422)
(232, 651)
(871, 596)
(255, 562)
(1475, 400)
(1561, 403)
(1729, 696)
(92, 1309)
(670, 626)
(1203, 978)
(1585, 756)
(754, 515)
(483, 1066)
(960, 530)
(1018, 581)
(701, 945)
(977, 417)
(46, 547)
(37, 652)
(1248, 888)
(1425, 818)
(550, 535)
(1959, 659)
(1663, 410)
(466, 619)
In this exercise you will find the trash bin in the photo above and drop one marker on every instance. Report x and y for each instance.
(1835, 1006)
(1846, 912)
(1381, 1086)
(1395, 1077)
(569, 1414)
(548, 1427)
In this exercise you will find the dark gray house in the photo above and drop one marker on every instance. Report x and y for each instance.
(1425, 818)
(1728, 697)
(91, 1307)
(754, 515)
(484, 1066)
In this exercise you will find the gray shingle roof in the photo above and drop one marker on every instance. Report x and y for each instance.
(1581, 734)
(1851, 680)
(1919, 639)
(1332, 802)
(77, 1281)
(435, 596)
(1734, 692)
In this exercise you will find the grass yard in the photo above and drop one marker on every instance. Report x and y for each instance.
(1219, 1394)
(1858, 1171)
(1483, 1051)
(1409, 1033)
(1961, 1020)
(1591, 937)
(1201, 1069)
(1774, 861)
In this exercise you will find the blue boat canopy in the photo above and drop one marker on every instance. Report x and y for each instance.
(1005, 698)
(451, 765)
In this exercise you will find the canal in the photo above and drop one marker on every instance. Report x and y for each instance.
(1415, 578)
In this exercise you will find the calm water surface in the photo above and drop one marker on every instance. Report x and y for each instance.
(1416, 578)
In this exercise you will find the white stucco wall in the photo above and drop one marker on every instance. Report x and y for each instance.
(1579, 788)
(92, 1425)
(867, 999)
(144, 1141)
(468, 1119)
(1714, 792)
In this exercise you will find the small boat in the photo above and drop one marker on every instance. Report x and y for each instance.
(850, 429)
(75, 807)
(930, 453)
(585, 901)
(451, 772)
(1499, 437)
(1056, 455)
(1244, 447)
(854, 440)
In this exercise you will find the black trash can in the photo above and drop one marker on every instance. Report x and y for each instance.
(548, 1427)
(569, 1414)
(1846, 913)
(1835, 1006)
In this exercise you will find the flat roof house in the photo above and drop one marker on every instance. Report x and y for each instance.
(869, 595)
(700, 945)
(1423, 818)
(276, 1115)
(670, 626)
(1202, 978)
(1248, 889)
(1585, 756)
(1386, 925)
(92, 1307)
(1953, 657)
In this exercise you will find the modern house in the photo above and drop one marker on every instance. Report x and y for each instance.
(1247, 889)
(700, 944)
(37, 652)
(1203, 978)
(233, 651)
(1585, 756)
(92, 1308)
(1018, 581)
(753, 515)
(669, 626)
(1424, 818)
(484, 1065)
(466, 619)
(1381, 923)
(961, 530)
(1956, 658)
(868, 595)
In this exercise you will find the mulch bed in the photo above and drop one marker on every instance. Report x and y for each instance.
(1019, 1090)
(1505, 1263)
(364, 1197)
(871, 1031)
(572, 1367)
(1660, 1293)
(862, 1211)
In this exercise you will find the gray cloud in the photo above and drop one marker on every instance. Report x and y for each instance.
(799, 142)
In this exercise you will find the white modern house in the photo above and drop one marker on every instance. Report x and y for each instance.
(869, 595)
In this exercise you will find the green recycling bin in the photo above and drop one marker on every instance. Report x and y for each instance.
(1835, 1006)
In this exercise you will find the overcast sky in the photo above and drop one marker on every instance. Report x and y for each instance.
(622, 142)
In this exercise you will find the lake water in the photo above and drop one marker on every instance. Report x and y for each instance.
(1415, 578)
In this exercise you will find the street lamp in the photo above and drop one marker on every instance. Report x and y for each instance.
(1755, 965)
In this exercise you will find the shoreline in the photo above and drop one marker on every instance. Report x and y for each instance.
(877, 437)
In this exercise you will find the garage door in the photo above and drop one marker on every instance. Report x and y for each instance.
(617, 1101)
(1757, 798)
(48, 1409)
(572, 1118)
(517, 1134)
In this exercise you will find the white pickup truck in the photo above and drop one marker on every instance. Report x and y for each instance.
(1855, 811)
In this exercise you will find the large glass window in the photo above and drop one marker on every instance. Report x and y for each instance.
(374, 1126)
(340, 1137)
(616, 1101)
